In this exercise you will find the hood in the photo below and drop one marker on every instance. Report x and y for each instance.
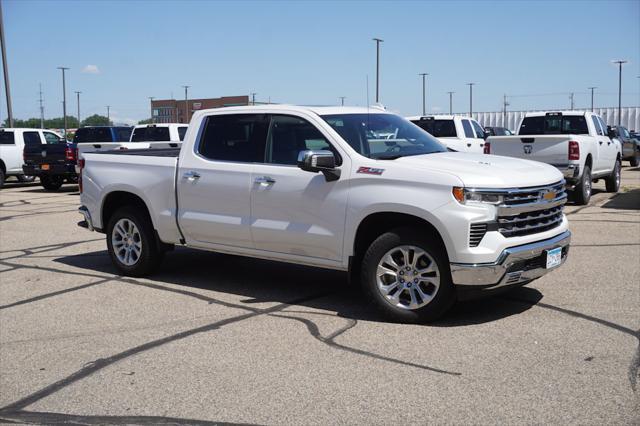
(486, 171)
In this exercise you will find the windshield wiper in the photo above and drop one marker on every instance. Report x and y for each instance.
(388, 157)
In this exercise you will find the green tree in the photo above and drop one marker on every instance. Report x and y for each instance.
(51, 123)
(97, 120)
(146, 121)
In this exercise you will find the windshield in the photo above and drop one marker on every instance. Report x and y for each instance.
(383, 136)
(554, 125)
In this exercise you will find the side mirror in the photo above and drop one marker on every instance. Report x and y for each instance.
(611, 132)
(319, 161)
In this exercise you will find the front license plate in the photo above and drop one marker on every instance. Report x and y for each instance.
(554, 257)
(44, 167)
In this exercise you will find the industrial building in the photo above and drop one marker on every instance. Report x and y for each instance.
(173, 110)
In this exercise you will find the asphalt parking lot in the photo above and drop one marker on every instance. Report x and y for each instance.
(223, 339)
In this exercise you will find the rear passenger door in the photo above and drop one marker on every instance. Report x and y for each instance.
(214, 182)
(478, 143)
(602, 145)
(297, 213)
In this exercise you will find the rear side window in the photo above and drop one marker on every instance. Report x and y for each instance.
(181, 132)
(468, 132)
(478, 129)
(52, 138)
(82, 135)
(234, 137)
(288, 136)
(596, 124)
(151, 134)
(438, 128)
(7, 138)
(31, 138)
(554, 125)
(93, 134)
(122, 134)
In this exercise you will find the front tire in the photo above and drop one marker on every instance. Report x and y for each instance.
(612, 182)
(131, 243)
(406, 276)
(2, 178)
(582, 191)
(635, 160)
(51, 183)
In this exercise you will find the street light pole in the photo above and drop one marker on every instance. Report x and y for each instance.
(186, 100)
(620, 63)
(451, 102)
(151, 98)
(378, 41)
(41, 109)
(470, 98)
(424, 91)
(505, 104)
(342, 98)
(592, 89)
(253, 98)
(571, 98)
(109, 115)
(64, 100)
(5, 68)
(78, 100)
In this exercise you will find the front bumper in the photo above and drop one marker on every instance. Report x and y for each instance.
(516, 265)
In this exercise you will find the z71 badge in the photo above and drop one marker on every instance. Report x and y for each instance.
(370, 171)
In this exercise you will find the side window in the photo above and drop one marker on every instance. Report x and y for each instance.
(102, 134)
(479, 131)
(288, 136)
(7, 138)
(181, 132)
(139, 134)
(123, 134)
(603, 125)
(31, 138)
(625, 133)
(596, 124)
(234, 137)
(51, 138)
(468, 132)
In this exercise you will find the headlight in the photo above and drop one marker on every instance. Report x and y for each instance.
(465, 196)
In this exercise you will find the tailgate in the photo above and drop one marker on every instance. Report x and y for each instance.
(45, 154)
(86, 147)
(550, 149)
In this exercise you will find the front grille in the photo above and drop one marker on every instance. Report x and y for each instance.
(530, 222)
(476, 233)
(525, 195)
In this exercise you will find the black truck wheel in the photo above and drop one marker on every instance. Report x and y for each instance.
(582, 191)
(612, 182)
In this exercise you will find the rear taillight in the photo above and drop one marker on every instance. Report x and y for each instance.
(487, 147)
(70, 154)
(574, 150)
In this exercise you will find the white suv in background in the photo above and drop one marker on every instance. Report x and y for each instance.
(462, 134)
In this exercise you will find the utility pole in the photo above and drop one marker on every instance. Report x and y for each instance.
(78, 100)
(253, 98)
(186, 101)
(5, 68)
(342, 98)
(151, 98)
(64, 100)
(378, 41)
(424, 92)
(109, 115)
(620, 63)
(592, 89)
(451, 102)
(41, 109)
(470, 98)
(571, 98)
(505, 104)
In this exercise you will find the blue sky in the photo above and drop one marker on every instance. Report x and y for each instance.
(313, 52)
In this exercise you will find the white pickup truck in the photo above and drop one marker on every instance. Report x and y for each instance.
(419, 226)
(12, 142)
(575, 142)
(461, 134)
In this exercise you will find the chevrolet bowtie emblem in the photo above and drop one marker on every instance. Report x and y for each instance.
(549, 195)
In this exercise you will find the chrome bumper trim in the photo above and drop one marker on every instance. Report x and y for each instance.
(87, 217)
(509, 268)
(569, 171)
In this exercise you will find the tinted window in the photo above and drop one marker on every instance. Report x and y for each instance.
(31, 138)
(181, 132)
(237, 137)
(151, 134)
(93, 134)
(438, 128)
(6, 138)
(288, 136)
(52, 138)
(123, 134)
(82, 135)
(383, 135)
(625, 132)
(596, 124)
(554, 125)
(478, 129)
(468, 132)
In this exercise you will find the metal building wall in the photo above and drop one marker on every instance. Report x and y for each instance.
(630, 117)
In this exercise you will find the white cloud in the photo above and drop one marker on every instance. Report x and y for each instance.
(91, 69)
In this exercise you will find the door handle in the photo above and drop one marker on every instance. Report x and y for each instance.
(608, 143)
(600, 142)
(191, 176)
(97, 146)
(265, 180)
(468, 144)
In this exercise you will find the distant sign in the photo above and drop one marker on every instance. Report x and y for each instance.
(197, 105)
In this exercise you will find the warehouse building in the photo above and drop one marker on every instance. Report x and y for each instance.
(174, 111)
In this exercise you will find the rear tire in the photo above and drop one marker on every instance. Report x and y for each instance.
(51, 183)
(612, 182)
(635, 160)
(26, 179)
(132, 231)
(582, 191)
(400, 297)
(2, 178)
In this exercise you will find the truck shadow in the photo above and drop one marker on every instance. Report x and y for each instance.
(260, 281)
(624, 201)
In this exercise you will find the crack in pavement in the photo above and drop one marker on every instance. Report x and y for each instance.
(48, 418)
